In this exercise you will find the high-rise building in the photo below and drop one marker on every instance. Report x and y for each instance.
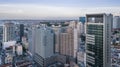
(67, 42)
(80, 28)
(82, 19)
(98, 38)
(56, 30)
(1, 33)
(116, 22)
(57, 42)
(21, 31)
(8, 32)
(44, 45)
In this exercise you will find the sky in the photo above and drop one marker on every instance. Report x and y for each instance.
(55, 9)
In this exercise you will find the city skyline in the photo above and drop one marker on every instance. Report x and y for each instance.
(52, 9)
(61, 43)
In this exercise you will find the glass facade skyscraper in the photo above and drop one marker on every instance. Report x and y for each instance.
(98, 36)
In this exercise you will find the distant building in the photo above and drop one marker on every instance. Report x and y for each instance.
(82, 19)
(0, 59)
(81, 58)
(1, 46)
(44, 45)
(57, 42)
(19, 49)
(8, 44)
(8, 32)
(98, 40)
(21, 31)
(56, 30)
(116, 23)
(8, 58)
(9, 48)
(80, 28)
(25, 43)
(1, 33)
(67, 42)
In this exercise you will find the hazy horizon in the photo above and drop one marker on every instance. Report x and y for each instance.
(56, 9)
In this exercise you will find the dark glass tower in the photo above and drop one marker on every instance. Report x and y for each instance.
(21, 31)
(98, 38)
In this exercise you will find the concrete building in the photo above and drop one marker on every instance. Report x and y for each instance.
(64, 44)
(116, 23)
(25, 43)
(80, 28)
(57, 42)
(75, 41)
(8, 32)
(81, 58)
(66, 39)
(0, 59)
(19, 49)
(98, 38)
(1, 33)
(19, 32)
(81, 24)
(56, 30)
(8, 58)
(67, 42)
(9, 48)
(74, 30)
(44, 45)
(8, 44)
(31, 38)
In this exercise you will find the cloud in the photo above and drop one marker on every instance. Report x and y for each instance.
(46, 11)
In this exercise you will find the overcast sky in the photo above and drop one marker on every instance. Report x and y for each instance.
(40, 9)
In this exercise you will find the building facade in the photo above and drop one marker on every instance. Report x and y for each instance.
(21, 31)
(116, 23)
(98, 38)
(56, 30)
(67, 41)
(44, 45)
(8, 32)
